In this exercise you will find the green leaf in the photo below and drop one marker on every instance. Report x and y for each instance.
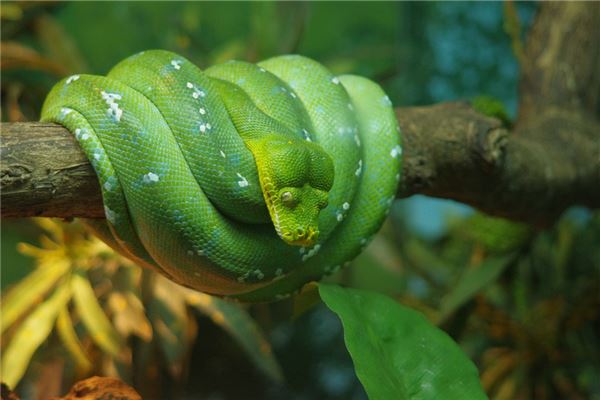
(31, 334)
(95, 320)
(472, 282)
(236, 321)
(29, 291)
(397, 353)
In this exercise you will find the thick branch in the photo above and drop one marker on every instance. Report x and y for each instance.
(451, 151)
(548, 162)
(43, 172)
(531, 174)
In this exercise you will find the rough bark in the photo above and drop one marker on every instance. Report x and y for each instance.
(549, 161)
(101, 388)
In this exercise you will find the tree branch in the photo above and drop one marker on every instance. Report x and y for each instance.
(548, 162)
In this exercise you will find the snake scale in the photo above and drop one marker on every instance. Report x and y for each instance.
(242, 180)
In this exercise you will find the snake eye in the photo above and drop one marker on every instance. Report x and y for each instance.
(288, 200)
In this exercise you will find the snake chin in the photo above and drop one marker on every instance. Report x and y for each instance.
(301, 237)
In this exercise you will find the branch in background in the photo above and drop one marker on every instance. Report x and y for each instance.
(548, 162)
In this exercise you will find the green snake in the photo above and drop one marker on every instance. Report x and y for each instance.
(242, 180)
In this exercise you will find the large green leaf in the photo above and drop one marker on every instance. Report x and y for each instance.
(397, 353)
(31, 334)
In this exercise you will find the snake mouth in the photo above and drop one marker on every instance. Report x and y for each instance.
(301, 237)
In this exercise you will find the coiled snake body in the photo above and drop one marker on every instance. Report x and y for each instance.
(242, 180)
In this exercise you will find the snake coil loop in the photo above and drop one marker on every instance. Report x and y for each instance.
(242, 180)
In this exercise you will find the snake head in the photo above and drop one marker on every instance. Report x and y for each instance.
(296, 177)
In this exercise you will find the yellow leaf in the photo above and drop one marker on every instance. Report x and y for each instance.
(30, 291)
(94, 319)
(30, 335)
(64, 326)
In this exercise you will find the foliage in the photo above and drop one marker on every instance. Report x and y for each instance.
(523, 303)
(112, 302)
(397, 353)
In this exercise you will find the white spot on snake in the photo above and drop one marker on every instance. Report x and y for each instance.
(346, 205)
(81, 134)
(363, 241)
(200, 252)
(176, 64)
(150, 177)
(357, 140)
(359, 169)
(262, 69)
(306, 135)
(202, 111)
(339, 216)
(222, 154)
(202, 128)
(335, 80)
(396, 151)
(397, 177)
(107, 186)
(113, 107)
(259, 274)
(311, 252)
(350, 107)
(97, 156)
(278, 272)
(65, 111)
(385, 100)
(111, 97)
(208, 126)
(197, 92)
(111, 216)
(243, 182)
(320, 109)
(72, 78)
(302, 250)
(293, 94)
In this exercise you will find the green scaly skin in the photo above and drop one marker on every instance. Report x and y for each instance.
(243, 180)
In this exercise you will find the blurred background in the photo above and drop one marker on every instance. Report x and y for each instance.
(523, 303)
